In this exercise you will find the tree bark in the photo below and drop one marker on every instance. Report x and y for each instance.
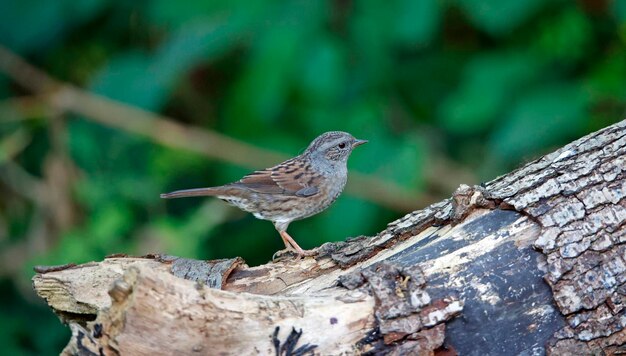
(532, 262)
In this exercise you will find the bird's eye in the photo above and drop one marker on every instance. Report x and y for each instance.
(342, 145)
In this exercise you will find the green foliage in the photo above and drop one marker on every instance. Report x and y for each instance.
(32, 25)
(437, 87)
(497, 17)
(490, 82)
(28, 328)
(549, 115)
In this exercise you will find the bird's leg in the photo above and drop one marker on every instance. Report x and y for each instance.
(288, 248)
(286, 242)
(293, 245)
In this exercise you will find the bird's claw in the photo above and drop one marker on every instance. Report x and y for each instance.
(280, 253)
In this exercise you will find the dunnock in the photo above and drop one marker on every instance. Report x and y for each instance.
(295, 189)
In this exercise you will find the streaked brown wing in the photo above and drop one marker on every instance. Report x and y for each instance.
(288, 178)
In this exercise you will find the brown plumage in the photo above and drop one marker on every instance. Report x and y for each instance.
(295, 189)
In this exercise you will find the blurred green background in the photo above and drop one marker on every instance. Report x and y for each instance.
(447, 92)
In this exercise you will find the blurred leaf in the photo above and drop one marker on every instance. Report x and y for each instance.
(5, 90)
(116, 165)
(260, 93)
(498, 17)
(396, 159)
(322, 74)
(489, 84)
(370, 42)
(109, 225)
(195, 229)
(417, 22)
(606, 86)
(565, 38)
(128, 78)
(17, 321)
(254, 240)
(29, 25)
(425, 82)
(104, 232)
(174, 166)
(177, 13)
(345, 218)
(541, 118)
(619, 10)
(146, 80)
(86, 58)
(607, 79)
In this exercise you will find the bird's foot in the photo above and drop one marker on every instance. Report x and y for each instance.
(280, 254)
(290, 252)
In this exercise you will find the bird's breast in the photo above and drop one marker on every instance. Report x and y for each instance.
(330, 188)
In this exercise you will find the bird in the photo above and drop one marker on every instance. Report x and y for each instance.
(292, 190)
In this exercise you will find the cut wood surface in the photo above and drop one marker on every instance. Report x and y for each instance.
(529, 263)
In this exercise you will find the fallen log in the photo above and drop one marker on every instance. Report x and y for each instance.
(532, 262)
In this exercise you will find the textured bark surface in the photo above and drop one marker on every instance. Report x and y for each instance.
(529, 263)
(577, 197)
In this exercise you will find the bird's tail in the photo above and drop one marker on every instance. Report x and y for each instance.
(198, 192)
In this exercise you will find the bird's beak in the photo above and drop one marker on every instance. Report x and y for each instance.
(359, 143)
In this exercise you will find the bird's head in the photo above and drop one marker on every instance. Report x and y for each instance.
(333, 146)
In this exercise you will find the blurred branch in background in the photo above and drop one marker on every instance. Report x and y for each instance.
(54, 209)
(25, 184)
(68, 98)
(24, 108)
